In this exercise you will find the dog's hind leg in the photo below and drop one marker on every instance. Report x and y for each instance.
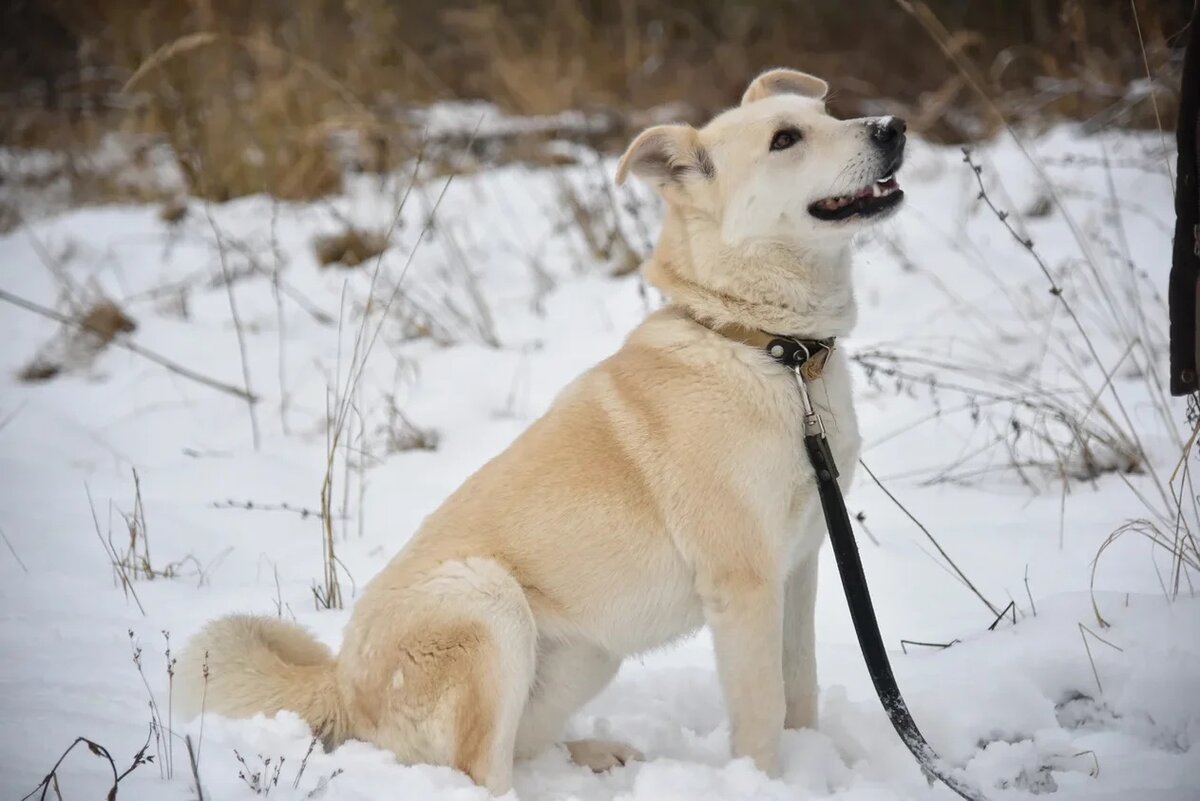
(489, 708)
(568, 675)
(460, 675)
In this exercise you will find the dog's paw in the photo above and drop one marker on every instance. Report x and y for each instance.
(601, 755)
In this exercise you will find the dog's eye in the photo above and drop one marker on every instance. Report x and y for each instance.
(785, 138)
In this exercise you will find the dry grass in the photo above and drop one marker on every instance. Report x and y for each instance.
(51, 783)
(595, 214)
(226, 146)
(263, 778)
(105, 319)
(129, 555)
(161, 727)
(260, 97)
(1053, 434)
(400, 434)
(77, 346)
(173, 210)
(349, 248)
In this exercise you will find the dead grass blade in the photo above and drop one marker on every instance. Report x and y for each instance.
(12, 550)
(51, 780)
(957, 570)
(132, 347)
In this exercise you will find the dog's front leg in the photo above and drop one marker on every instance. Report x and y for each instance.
(799, 647)
(744, 610)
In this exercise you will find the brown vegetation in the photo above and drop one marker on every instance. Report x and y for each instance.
(248, 94)
(77, 346)
(349, 247)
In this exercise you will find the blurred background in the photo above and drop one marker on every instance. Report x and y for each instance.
(284, 96)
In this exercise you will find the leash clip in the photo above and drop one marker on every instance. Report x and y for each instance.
(813, 425)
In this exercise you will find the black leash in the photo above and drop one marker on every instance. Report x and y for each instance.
(854, 581)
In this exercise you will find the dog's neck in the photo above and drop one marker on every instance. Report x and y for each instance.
(775, 287)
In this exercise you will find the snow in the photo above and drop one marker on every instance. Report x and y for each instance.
(1042, 705)
(464, 118)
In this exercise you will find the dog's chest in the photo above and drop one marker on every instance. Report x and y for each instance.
(831, 396)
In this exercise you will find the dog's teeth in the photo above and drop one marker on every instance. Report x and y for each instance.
(877, 190)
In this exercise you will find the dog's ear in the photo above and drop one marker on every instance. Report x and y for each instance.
(785, 82)
(666, 154)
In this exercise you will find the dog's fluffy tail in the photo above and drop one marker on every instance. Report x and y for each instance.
(241, 665)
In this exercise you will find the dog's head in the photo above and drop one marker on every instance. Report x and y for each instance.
(778, 168)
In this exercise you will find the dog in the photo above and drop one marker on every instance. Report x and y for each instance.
(665, 488)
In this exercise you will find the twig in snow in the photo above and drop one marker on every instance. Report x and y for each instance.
(194, 764)
(13, 550)
(939, 645)
(170, 700)
(322, 785)
(1011, 605)
(253, 506)
(203, 709)
(1095, 762)
(163, 743)
(11, 416)
(139, 759)
(237, 320)
(70, 291)
(262, 780)
(932, 539)
(1184, 550)
(1032, 605)
(1086, 647)
(117, 563)
(861, 519)
(304, 762)
(132, 347)
(280, 317)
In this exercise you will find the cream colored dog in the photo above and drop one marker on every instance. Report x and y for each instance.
(666, 488)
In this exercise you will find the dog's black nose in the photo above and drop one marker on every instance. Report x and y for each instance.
(888, 132)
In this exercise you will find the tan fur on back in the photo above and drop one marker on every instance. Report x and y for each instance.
(665, 488)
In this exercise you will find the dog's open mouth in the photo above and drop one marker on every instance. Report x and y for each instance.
(880, 196)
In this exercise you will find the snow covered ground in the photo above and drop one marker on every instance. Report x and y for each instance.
(969, 370)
